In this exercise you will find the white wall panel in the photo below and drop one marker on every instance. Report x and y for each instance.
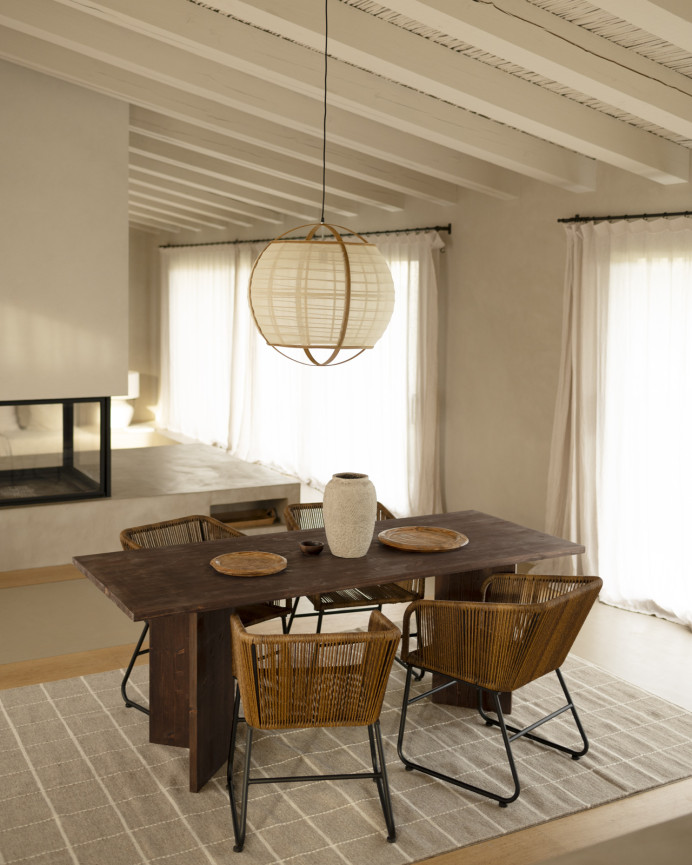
(63, 239)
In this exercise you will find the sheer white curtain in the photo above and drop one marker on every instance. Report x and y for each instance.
(205, 332)
(376, 414)
(621, 460)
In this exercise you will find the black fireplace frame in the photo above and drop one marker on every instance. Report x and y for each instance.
(84, 486)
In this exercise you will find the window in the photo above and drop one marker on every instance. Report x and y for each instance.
(378, 414)
(622, 461)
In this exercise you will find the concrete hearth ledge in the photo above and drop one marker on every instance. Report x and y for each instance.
(148, 484)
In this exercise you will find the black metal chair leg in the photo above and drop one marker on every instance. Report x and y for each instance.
(526, 731)
(239, 820)
(373, 752)
(421, 672)
(402, 719)
(239, 808)
(410, 765)
(577, 720)
(504, 801)
(287, 621)
(291, 618)
(129, 702)
(319, 622)
(380, 769)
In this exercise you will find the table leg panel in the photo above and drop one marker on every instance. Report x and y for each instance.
(211, 694)
(169, 666)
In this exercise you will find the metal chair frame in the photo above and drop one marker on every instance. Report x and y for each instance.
(522, 630)
(505, 729)
(239, 817)
(302, 681)
(129, 702)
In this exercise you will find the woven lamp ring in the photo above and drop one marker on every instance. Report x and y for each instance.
(324, 293)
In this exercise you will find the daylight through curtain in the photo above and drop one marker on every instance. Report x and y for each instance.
(223, 385)
(204, 339)
(621, 459)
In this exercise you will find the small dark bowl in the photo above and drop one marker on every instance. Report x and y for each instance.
(311, 548)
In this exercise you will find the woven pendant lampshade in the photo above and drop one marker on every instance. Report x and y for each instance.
(328, 290)
(321, 291)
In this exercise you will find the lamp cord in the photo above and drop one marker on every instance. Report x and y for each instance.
(324, 115)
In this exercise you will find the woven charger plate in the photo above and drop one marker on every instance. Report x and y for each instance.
(423, 539)
(249, 564)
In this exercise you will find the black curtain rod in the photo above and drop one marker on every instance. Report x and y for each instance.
(578, 218)
(447, 228)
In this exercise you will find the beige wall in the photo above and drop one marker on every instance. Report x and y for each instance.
(63, 229)
(144, 321)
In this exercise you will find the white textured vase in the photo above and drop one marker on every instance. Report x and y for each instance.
(349, 508)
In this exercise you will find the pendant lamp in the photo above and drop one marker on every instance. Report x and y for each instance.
(327, 289)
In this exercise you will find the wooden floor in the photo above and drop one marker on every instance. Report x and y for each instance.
(617, 833)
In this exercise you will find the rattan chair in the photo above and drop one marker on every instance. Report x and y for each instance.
(522, 630)
(190, 530)
(363, 599)
(297, 681)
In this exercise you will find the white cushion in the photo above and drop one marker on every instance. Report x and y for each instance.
(8, 418)
(46, 416)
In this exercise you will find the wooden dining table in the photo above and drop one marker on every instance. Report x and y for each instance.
(188, 603)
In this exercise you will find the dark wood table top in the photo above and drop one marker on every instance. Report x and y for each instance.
(146, 584)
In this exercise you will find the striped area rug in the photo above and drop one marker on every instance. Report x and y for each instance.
(81, 785)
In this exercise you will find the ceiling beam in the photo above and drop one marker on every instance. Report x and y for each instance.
(261, 61)
(203, 181)
(254, 138)
(384, 49)
(27, 43)
(141, 190)
(138, 223)
(547, 44)
(147, 203)
(257, 159)
(669, 19)
(189, 192)
(166, 223)
(244, 177)
(395, 152)
(176, 45)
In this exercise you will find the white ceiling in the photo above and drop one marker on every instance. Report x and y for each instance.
(426, 98)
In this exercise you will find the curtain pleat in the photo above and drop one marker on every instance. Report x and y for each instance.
(621, 462)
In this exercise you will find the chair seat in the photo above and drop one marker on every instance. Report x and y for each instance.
(254, 614)
(388, 593)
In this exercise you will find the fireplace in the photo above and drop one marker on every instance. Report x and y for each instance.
(54, 450)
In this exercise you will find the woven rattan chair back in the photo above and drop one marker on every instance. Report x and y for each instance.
(189, 530)
(523, 630)
(310, 515)
(184, 530)
(296, 681)
(290, 681)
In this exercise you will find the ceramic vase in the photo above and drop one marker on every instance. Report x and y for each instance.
(350, 508)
